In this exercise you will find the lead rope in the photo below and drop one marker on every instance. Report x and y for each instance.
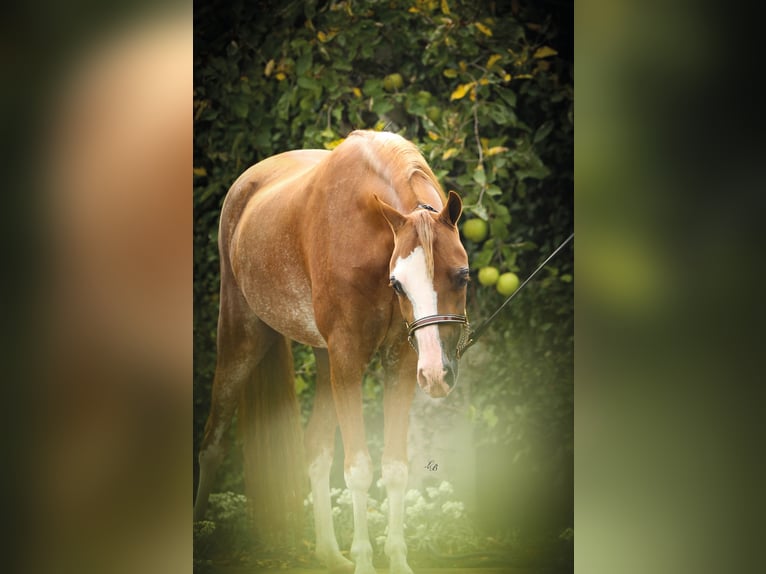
(470, 337)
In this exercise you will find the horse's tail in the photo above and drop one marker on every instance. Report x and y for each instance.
(269, 421)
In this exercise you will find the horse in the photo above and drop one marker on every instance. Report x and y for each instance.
(353, 252)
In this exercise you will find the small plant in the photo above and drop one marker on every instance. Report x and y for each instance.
(435, 521)
(226, 532)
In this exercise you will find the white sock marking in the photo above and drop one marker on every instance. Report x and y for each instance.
(395, 478)
(358, 479)
(326, 544)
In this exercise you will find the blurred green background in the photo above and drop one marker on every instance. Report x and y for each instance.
(669, 196)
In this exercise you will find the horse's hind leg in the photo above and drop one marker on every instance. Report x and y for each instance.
(240, 347)
(320, 445)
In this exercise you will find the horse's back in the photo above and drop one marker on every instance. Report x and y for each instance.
(267, 175)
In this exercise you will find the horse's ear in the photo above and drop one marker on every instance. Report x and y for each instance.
(452, 211)
(394, 218)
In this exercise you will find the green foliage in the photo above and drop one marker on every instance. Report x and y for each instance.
(438, 531)
(436, 522)
(488, 99)
(226, 532)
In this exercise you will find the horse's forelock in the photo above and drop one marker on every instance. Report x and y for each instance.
(424, 227)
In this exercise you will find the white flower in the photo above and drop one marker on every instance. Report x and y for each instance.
(345, 497)
(453, 508)
(375, 517)
(432, 492)
(412, 495)
(445, 487)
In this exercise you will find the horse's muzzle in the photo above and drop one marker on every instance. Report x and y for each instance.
(438, 382)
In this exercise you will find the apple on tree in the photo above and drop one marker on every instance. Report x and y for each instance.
(476, 230)
(507, 283)
(488, 276)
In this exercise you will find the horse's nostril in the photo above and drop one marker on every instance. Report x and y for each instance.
(450, 373)
(422, 379)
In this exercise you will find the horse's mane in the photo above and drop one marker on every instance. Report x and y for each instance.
(397, 160)
(401, 164)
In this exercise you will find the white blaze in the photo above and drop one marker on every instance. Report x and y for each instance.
(412, 273)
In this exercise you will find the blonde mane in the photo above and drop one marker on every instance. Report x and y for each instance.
(400, 163)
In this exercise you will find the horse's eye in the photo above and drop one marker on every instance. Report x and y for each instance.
(463, 277)
(396, 286)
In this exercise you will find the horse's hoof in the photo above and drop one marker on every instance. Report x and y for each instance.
(399, 566)
(341, 565)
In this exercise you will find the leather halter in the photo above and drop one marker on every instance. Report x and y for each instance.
(466, 333)
(465, 329)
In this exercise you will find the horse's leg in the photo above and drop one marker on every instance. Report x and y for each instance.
(227, 386)
(401, 374)
(240, 347)
(347, 363)
(320, 445)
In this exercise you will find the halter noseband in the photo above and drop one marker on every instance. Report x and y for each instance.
(465, 329)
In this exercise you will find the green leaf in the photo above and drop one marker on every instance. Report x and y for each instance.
(494, 191)
(303, 64)
(534, 172)
(382, 106)
(499, 229)
(240, 108)
(373, 87)
(543, 131)
(308, 83)
(483, 257)
(479, 211)
(500, 114)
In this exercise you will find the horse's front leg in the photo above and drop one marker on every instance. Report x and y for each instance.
(346, 374)
(320, 446)
(401, 373)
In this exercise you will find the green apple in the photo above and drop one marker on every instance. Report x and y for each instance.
(393, 82)
(488, 276)
(434, 113)
(507, 283)
(475, 230)
(423, 98)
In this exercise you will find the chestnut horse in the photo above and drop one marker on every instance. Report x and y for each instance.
(352, 251)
